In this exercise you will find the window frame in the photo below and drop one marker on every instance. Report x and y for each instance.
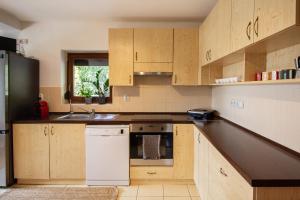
(71, 57)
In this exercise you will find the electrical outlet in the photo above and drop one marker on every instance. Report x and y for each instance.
(125, 98)
(240, 104)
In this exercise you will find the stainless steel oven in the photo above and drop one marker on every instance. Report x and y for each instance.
(151, 137)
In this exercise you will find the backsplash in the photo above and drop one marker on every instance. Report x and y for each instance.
(150, 94)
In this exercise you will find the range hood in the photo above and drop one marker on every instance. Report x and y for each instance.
(153, 73)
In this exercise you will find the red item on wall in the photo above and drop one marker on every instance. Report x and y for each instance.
(44, 110)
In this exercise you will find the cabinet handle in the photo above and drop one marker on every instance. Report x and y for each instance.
(175, 78)
(176, 131)
(199, 138)
(45, 130)
(256, 26)
(223, 172)
(151, 173)
(136, 56)
(129, 79)
(52, 132)
(209, 54)
(248, 31)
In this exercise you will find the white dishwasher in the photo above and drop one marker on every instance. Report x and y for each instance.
(107, 155)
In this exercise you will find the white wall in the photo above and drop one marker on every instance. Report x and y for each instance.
(271, 110)
(48, 39)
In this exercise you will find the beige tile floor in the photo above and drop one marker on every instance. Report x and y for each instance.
(159, 192)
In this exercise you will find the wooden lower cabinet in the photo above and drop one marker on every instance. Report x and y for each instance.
(49, 151)
(67, 151)
(31, 151)
(183, 151)
(224, 182)
(151, 172)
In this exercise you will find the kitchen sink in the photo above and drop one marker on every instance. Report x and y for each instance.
(88, 117)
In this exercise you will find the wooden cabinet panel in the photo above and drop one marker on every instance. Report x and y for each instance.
(67, 151)
(183, 151)
(153, 45)
(153, 67)
(121, 57)
(241, 24)
(216, 32)
(203, 166)
(224, 181)
(272, 16)
(151, 172)
(31, 151)
(186, 56)
(196, 155)
(221, 27)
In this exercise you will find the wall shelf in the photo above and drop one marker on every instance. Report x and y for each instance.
(269, 82)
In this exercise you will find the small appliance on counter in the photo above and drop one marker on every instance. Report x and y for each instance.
(202, 114)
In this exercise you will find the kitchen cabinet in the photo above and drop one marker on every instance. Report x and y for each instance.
(186, 56)
(183, 151)
(153, 45)
(67, 151)
(31, 151)
(121, 57)
(153, 50)
(216, 32)
(196, 156)
(201, 163)
(49, 151)
(242, 24)
(148, 173)
(224, 182)
(273, 16)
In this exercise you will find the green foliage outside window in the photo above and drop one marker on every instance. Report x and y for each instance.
(91, 81)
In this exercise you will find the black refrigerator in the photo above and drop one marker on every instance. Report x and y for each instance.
(19, 92)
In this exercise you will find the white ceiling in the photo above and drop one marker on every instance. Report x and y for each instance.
(123, 10)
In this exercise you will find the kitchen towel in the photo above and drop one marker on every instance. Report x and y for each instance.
(151, 147)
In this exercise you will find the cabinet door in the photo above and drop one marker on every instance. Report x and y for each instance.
(67, 151)
(153, 45)
(186, 56)
(203, 166)
(273, 16)
(183, 151)
(221, 26)
(216, 32)
(121, 57)
(225, 183)
(196, 156)
(242, 24)
(31, 151)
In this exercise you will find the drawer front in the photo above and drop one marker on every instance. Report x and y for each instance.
(151, 172)
(225, 183)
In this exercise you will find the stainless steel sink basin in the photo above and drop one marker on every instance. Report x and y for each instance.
(88, 117)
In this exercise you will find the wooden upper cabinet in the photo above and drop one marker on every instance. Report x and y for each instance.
(153, 45)
(186, 56)
(222, 22)
(183, 167)
(242, 24)
(31, 151)
(216, 32)
(121, 57)
(67, 152)
(273, 16)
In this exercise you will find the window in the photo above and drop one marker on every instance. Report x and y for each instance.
(88, 76)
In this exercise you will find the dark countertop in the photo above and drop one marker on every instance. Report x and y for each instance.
(261, 162)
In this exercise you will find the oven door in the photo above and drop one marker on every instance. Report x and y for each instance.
(166, 150)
